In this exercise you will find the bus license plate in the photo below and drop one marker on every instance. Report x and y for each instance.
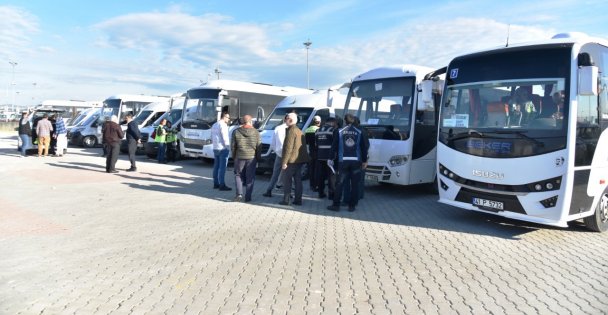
(488, 203)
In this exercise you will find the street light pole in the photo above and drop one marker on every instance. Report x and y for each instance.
(307, 45)
(13, 63)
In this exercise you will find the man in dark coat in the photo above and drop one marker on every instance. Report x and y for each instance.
(133, 138)
(112, 135)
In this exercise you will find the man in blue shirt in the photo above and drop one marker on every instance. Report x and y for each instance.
(349, 151)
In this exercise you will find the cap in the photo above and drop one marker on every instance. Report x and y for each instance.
(316, 118)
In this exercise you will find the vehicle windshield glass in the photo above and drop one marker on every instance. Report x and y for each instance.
(204, 102)
(383, 104)
(89, 120)
(277, 116)
(111, 107)
(173, 116)
(509, 104)
(142, 116)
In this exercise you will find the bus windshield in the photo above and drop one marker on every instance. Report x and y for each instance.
(204, 103)
(276, 118)
(510, 104)
(383, 105)
(111, 107)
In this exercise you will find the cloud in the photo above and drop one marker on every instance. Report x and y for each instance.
(209, 38)
(16, 28)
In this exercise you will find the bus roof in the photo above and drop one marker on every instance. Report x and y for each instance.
(573, 38)
(397, 71)
(317, 99)
(140, 98)
(231, 85)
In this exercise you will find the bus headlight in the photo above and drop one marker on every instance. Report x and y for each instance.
(398, 160)
(546, 185)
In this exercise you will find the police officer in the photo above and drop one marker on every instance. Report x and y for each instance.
(309, 133)
(349, 149)
(323, 141)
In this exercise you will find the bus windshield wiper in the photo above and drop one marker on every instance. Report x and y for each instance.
(521, 134)
(465, 134)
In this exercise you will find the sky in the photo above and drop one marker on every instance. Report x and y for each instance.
(90, 50)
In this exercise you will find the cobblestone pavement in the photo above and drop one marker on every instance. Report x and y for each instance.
(76, 240)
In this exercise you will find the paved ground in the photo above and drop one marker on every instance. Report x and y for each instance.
(76, 240)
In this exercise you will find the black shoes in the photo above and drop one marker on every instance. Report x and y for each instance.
(225, 188)
(285, 203)
(238, 198)
(216, 186)
(267, 194)
(333, 208)
(322, 195)
(132, 169)
(297, 203)
(351, 209)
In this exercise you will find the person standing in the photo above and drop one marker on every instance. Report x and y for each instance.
(161, 139)
(171, 142)
(245, 146)
(276, 145)
(295, 154)
(25, 133)
(43, 132)
(112, 135)
(221, 149)
(310, 140)
(60, 136)
(133, 139)
(349, 148)
(323, 141)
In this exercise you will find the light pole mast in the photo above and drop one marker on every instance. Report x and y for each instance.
(13, 63)
(307, 45)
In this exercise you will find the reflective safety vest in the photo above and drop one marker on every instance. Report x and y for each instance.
(171, 136)
(161, 135)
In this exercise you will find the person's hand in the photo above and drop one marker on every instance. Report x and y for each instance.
(364, 165)
(138, 140)
(284, 166)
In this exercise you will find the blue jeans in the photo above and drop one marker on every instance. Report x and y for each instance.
(219, 166)
(162, 149)
(25, 143)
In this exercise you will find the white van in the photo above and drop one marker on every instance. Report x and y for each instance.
(321, 103)
(150, 113)
(85, 132)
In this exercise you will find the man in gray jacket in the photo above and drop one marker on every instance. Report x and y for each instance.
(244, 145)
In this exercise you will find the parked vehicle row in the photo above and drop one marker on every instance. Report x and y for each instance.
(516, 131)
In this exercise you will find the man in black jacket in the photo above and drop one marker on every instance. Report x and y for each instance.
(133, 138)
(112, 134)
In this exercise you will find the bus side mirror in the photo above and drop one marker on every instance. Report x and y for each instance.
(587, 80)
(425, 96)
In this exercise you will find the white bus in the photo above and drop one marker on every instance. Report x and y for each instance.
(397, 107)
(122, 104)
(236, 97)
(521, 132)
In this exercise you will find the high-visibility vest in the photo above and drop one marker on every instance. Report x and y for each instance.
(161, 135)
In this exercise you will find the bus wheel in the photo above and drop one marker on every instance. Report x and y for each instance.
(89, 141)
(598, 222)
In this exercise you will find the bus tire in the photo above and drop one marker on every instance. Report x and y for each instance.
(89, 141)
(598, 221)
